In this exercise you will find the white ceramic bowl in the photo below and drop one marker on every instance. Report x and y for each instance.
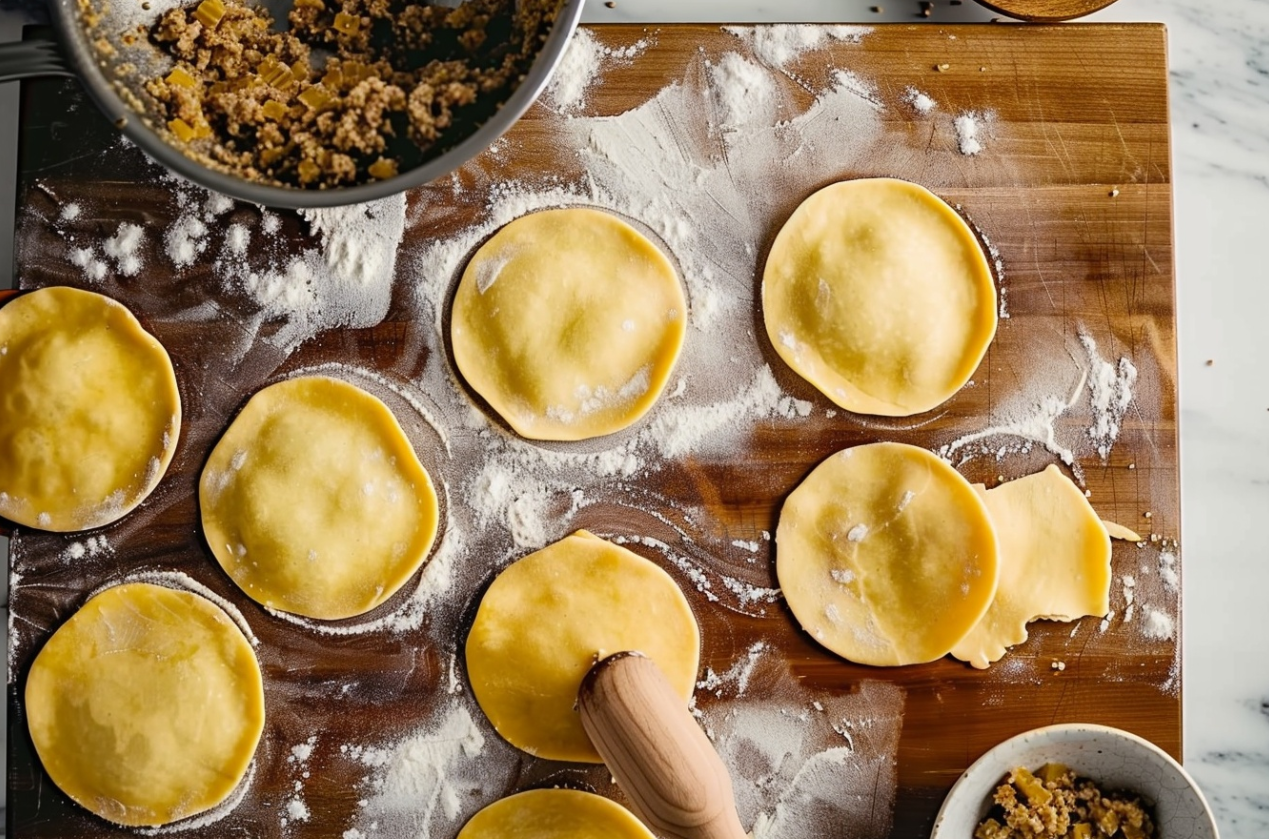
(1113, 758)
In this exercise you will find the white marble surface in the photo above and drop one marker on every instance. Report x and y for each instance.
(1220, 116)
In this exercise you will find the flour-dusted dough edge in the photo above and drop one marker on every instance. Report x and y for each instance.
(223, 527)
(64, 308)
(554, 814)
(1054, 562)
(66, 660)
(510, 365)
(802, 237)
(530, 696)
(834, 578)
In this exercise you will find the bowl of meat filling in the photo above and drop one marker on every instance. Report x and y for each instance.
(1075, 781)
(308, 103)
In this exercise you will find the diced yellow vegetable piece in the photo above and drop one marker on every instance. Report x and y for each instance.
(202, 129)
(271, 154)
(333, 78)
(1131, 831)
(1051, 773)
(308, 171)
(308, 4)
(382, 169)
(346, 23)
(182, 129)
(1108, 821)
(300, 70)
(990, 829)
(180, 78)
(1082, 830)
(209, 13)
(315, 97)
(1031, 786)
(273, 110)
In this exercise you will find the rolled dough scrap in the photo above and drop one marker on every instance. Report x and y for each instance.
(554, 814)
(1054, 562)
(89, 410)
(548, 617)
(146, 706)
(1118, 531)
(568, 323)
(886, 555)
(878, 293)
(314, 502)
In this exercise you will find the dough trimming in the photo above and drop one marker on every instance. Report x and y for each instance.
(89, 410)
(879, 294)
(315, 503)
(1054, 562)
(551, 615)
(568, 323)
(146, 706)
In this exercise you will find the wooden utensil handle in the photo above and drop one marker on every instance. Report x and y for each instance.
(662, 759)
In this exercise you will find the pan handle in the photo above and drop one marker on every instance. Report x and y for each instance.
(36, 57)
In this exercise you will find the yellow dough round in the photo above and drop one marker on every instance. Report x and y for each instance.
(878, 293)
(315, 503)
(1054, 562)
(554, 814)
(89, 410)
(568, 323)
(886, 555)
(548, 617)
(146, 706)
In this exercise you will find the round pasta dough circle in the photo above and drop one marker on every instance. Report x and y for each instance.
(568, 323)
(146, 706)
(886, 555)
(548, 617)
(314, 501)
(89, 410)
(878, 293)
(554, 814)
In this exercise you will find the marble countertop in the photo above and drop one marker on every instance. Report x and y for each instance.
(1219, 60)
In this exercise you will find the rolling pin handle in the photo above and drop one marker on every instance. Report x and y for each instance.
(676, 782)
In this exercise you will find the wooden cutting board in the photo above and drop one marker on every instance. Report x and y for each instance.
(1073, 187)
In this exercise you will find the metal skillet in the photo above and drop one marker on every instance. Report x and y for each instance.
(91, 46)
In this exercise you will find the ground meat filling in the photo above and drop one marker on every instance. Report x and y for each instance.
(355, 90)
(1054, 804)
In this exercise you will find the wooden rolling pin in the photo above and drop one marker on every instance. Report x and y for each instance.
(676, 782)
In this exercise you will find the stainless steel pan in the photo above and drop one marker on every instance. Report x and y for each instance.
(92, 47)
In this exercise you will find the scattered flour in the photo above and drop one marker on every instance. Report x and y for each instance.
(787, 785)
(969, 134)
(123, 248)
(1110, 391)
(737, 676)
(582, 65)
(1168, 571)
(1157, 624)
(741, 92)
(919, 101)
(779, 45)
(432, 781)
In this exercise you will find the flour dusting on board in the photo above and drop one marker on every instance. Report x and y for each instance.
(433, 780)
(786, 783)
